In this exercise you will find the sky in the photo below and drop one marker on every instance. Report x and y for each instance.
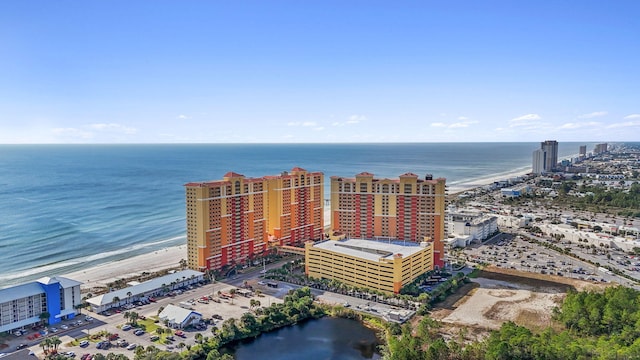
(318, 71)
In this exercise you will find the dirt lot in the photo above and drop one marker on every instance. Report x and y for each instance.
(500, 295)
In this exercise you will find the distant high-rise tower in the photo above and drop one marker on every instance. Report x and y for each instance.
(550, 147)
(600, 148)
(539, 157)
(583, 151)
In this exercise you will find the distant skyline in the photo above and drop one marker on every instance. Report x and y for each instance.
(323, 71)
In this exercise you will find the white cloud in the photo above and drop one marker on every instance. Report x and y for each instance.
(72, 132)
(319, 128)
(183, 117)
(462, 118)
(526, 117)
(354, 119)
(302, 123)
(528, 122)
(624, 124)
(592, 115)
(456, 125)
(577, 125)
(632, 116)
(462, 124)
(111, 127)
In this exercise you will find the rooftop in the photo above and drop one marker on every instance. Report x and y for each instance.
(372, 250)
(144, 287)
(176, 314)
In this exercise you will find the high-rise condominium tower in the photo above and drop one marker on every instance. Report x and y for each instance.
(407, 208)
(550, 147)
(583, 151)
(230, 221)
(539, 161)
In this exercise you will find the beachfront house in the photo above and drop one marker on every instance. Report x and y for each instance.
(177, 317)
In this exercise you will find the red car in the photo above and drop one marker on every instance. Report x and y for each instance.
(181, 334)
(113, 337)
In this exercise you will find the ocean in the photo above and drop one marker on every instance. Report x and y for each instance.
(65, 208)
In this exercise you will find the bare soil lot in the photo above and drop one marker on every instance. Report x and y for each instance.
(501, 295)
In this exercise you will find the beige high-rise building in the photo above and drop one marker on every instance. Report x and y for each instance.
(407, 208)
(233, 220)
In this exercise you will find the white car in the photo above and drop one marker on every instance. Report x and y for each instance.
(64, 327)
(84, 343)
(126, 327)
(88, 318)
(71, 354)
(131, 346)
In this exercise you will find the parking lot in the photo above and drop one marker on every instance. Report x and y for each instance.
(513, 252)
(87, 326)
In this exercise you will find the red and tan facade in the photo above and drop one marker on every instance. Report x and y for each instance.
(407, 208)
(233, 220)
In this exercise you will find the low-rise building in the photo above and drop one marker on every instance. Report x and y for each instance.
(179, 318)
(466, 226)
(381, 265)
(145, 289)
(27, 304)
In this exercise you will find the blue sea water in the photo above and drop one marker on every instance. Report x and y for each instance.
(68, 207)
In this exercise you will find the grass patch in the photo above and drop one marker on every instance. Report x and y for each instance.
(474, 274)
(148, 325)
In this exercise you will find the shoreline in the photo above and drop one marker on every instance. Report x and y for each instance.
(101, 275)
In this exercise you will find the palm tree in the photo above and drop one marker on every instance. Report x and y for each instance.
(116, 300)
(129, 293)
(233, 293)
(55, 341)
(44, 344)
(183, 264)
(44, 318)
(133, 316)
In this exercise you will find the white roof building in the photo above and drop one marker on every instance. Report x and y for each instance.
(466, 226)
(179, 318)
(151, 287)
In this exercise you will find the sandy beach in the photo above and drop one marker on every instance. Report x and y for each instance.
(103, 274)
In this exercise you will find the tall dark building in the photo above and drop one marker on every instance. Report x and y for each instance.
(550, 147)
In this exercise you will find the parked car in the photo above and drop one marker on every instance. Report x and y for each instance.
(21, 346)
(84, 343)
(126, 327)
(131, 346)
